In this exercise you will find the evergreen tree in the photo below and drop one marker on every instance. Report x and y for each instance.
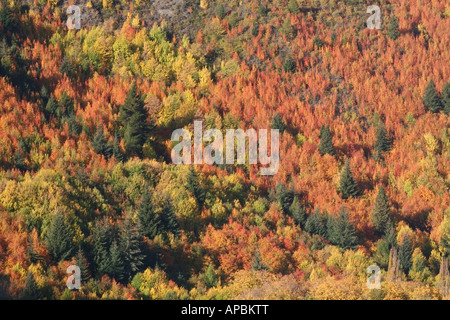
(133, 117)
(284, 197)
(168, 218)
(392, 30)
(83, 264)
(315, 224)
(31, 291)
(130, 247)
(113, 265)
(390, 236)
(193, 185)
(293, 6)
(278, 123)
(431, 99)
(74, 126)
(347, 185)
(298, 212)
(289, 65)
(221, 12)
(286, 27)
(102, 237)
(341, 231)
(116, 152)
(257, 264)
(44, 96)
(380, 214)
(446, 97)
(405, 252)
(326, 141)
(100, 143)
(52, 107)
(60, 238)
(382, 144)
(210, 278)
(149, 220)
(32, 254)
(66, 106)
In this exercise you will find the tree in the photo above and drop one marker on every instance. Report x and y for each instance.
(347, 185)
(392, 30)
(326, 141)
(113, 264)
(315, 224)
(382, 144)
(293, 6)
(51, 107)
(82, 262)
(445, 96)
(380, 214)
(60, 238)
(284, 197)
(298, 212)
(431, 99)
(130, 247)
(133, 117)
(390, 236)
(405, 252)
(148, 218)
(278, 123)
(221, 12)
(257, 264)
(100, 143)
(102, 238)
(66, 106)
(31, 291)
(289, 64)
(116, 151)
(286, 27)
(169, 219)
(193, 185)
(210, 278)
(341, 231)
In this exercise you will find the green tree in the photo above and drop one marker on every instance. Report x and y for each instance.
(278, 123)
(431, 99)
(130, 246)
(100, 143)
(113, 264)
(169, 219)
(315, 224)
(82, 262)
(210, 278)
(405, 252)
(116, 151)
(341, 231)
(380, 214)
(102, 238)
(66, 106)
(32, 290)
(286, 28)
(298, 212)
(133, 117)
(193, 185)
(257, 264)
(347, 186)
(326, 141)
(382, 143)
(284, 197)
(221, 12)
(293, 6)
(148, 218)
(392, 30)
(446, 97)
(60, 238)
(289, 64)
(51, 107)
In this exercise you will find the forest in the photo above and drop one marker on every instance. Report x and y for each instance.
(86, 176)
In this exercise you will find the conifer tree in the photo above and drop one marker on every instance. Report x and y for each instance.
(150, 221)
(51, 107)
(257, 264)
(347, 185)
(31, 291)
(289, 65)
(392, 30)
(100, 143)
(446, 97)
(116, 151)
(193, 185)
(210, 278)
(298, 212)
(102, 237)
(66, 106)
(113, 264)
(278, 123)
(83, 264)
(405, 252)
(326, 141)
(221, 12)
(293, 6)
(284, 197)
(390, 236)
(60, 238)
(169, 219)
(380, 214)
(382, 143)
(130, 247)
(341, 231)
(431, 99)
(315, 224)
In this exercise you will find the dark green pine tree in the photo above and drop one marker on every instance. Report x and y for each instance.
(74, 126)
(221, 12)
(100, 143)
(289, 65)
(326, 141)
(347, 186)
(113, 264)
(257, 264)
(316, 224)
(60, 238)
(341, 231)
(193, 185)
(445, 96)
(284, 197)
(405, 252)
(298, 212)
(82, 262)
(382, 144)
(293, 6)
(32, 254)
(44, 96)
(102, 237)
(130, 246)
(150, 221)
(116, 151)
(51, 108)
(66, 106)
(133, 117)
(390, 236)
(278, 123)
(380, 215)
(210, 278)
(392, 30)
(431, 99)
(32, 290)
(169, 219)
